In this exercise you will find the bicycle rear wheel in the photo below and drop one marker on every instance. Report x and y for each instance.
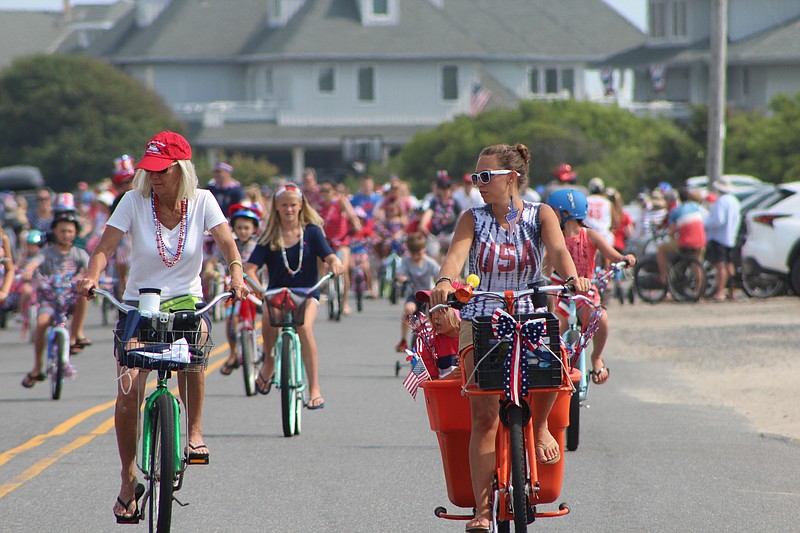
(519, 469)
(645, 277)
(161, 464)
(334, 299)
(57, 356)
(291, 404)
(247, 347)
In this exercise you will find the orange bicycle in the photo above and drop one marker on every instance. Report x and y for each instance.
(520, 482)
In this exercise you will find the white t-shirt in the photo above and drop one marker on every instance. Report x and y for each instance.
(134, 215)
(598, 216)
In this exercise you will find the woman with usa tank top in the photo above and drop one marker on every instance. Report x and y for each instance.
(506, 252)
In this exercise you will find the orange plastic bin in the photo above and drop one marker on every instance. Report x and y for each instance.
(449, 417)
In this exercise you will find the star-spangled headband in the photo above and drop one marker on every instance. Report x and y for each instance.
(291, 188)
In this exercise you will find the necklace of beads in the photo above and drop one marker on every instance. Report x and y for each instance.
(291, 271)
(162, 247)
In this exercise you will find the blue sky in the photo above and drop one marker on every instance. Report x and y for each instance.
(633, 10)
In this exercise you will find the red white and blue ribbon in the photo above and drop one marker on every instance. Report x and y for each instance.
(529, 334)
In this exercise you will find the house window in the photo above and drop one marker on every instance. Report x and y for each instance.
(380, 7)
(269, 88)
(533, 81)
(568, 80)
(366, 84)
(326, 79)
(275, 9)
(450, 83)
(551, 80)
(679, 19)
(658, 21)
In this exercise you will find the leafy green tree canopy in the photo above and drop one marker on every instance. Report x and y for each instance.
(72, 116)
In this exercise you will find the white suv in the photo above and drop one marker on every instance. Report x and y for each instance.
(773, 236)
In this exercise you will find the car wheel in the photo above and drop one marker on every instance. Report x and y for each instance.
(794, 276)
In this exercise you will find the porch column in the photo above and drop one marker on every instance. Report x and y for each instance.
(298, 163)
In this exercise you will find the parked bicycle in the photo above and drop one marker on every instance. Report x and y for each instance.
(686, 279)
(286, 308)
(520, 482)
(165, 342)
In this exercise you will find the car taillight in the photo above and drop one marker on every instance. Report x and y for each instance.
(767, 219)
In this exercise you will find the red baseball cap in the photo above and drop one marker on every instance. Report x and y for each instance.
(164, 149)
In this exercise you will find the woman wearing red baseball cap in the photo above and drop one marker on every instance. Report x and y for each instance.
(165, 216)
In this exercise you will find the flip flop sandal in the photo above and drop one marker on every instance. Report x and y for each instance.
(596, 375)
(477, 527)
(134, 518)
(227, 368)
(83, 342)
(261, 389)
(30, 379)
(320, 405)
(197, 458)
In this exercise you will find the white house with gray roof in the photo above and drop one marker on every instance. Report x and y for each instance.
(672, 65)
(326, 82)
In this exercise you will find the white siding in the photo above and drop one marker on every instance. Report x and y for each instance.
(781, 79)
(197, 83)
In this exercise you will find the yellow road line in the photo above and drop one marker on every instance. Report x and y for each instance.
(41, 465)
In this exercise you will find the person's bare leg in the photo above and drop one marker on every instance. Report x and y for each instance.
(42, 321)
(192, 387)
(78, 319)
(547, 449)
(130, 392)
(722, 282)
(309, 351)
(484, 414)
(598, 345)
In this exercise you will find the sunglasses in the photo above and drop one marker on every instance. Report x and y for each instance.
(485, 176)
(43, 199)
(165, 170)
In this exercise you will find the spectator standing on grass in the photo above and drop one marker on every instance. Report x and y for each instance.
(722, 227)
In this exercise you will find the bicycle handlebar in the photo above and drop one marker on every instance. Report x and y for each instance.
(125, 308)
(563, 290)
(300, 291)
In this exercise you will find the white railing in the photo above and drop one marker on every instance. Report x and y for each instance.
(218, 113)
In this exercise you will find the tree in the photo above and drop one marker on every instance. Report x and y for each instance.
(71, 116)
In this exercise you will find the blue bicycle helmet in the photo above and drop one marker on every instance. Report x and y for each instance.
(569, 200)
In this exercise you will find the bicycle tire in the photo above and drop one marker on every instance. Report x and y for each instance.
(393, 291)
(574, 428)
(247, 348)
(57, 359)
(645, 278)
(334, 300)
(519, 496)
(711, 277)
(105, 309)
(684, 283)
(162, 464)
(32, 312)
(289, 411)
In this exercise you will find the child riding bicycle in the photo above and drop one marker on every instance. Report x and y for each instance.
(583, 244)
(419, 269)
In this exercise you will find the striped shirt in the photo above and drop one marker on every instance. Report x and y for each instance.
(502, 261)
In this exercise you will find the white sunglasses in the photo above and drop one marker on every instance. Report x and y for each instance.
(485, 176)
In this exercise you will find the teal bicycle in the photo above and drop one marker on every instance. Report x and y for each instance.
(165, 342)
(286, 308)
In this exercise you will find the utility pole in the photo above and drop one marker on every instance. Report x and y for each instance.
(67, 10)
(717, 94)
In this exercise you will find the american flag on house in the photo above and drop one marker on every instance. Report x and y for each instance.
(480, 97)
(418, 374)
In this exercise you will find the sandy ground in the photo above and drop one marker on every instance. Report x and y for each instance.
(744, 354)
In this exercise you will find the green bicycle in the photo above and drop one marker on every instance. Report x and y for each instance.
(286, 308)
(165, 342)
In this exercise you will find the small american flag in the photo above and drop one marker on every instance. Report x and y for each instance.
(480, 97)
(511, 217)
(418, 374)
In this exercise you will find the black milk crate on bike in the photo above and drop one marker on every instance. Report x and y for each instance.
(161, 349)
(490, 370)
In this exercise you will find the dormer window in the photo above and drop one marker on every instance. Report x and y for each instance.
(380, 8)
(668, 19)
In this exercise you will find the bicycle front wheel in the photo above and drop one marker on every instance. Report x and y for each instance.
(57, 357)
(519, 469)
(162, 464)
(247, 347)
(687, 280)
(334, 299)
(291, 405)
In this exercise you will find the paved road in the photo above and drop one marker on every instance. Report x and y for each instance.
(368, 462)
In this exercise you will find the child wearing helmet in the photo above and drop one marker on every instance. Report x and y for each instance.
(59, 258)
(583, 244)
(7, 271)
(245, 219)
(21, 290)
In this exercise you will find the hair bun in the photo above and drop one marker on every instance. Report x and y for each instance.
(523, 152)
